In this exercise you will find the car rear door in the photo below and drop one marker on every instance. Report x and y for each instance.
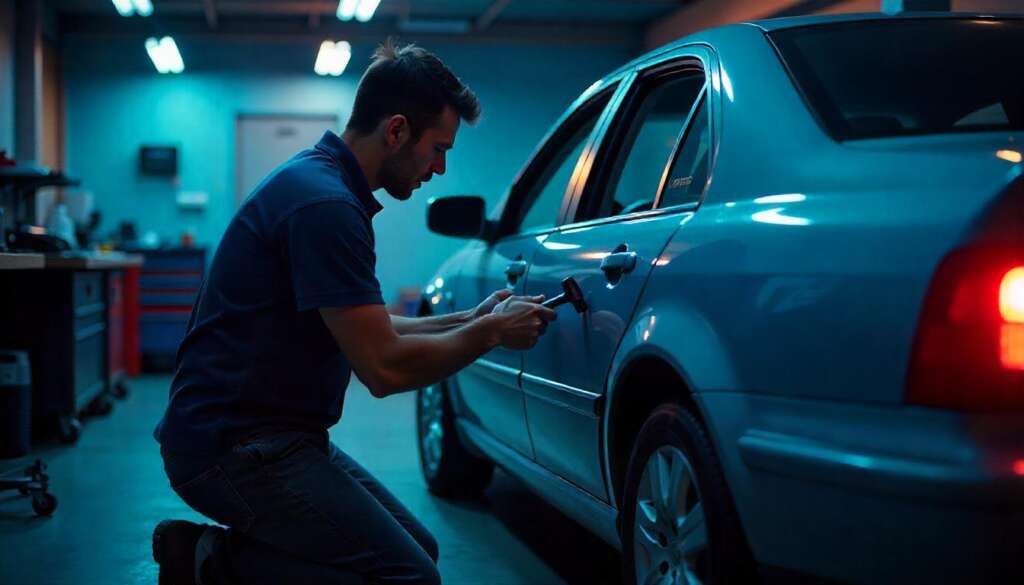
(648, 179)
(489, 388)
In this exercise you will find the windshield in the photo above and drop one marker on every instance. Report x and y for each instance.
(900, 77)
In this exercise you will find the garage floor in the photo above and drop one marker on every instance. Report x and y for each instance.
(112, 492)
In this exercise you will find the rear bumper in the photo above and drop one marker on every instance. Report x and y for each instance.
(952, 483)
(864, 494)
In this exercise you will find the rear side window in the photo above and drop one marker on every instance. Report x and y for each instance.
(904, 77)
(688, 176)
(660, 117)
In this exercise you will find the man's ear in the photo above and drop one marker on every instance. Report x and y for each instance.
(396, 131)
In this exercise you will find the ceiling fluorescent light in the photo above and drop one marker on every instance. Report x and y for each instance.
(366, 9)
(143, 7)
(347, 9)
(124, 7)
(164, 54)
(333, 58)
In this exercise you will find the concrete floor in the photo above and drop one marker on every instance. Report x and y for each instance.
(113, 491)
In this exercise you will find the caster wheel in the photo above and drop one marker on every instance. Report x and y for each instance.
(70, 430)
(44, 503)
(102, 406)
(120, 391)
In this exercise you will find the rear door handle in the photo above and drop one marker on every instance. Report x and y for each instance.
(619, 262)
(515, 269)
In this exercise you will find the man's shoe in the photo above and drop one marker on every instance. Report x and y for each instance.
(174, 549)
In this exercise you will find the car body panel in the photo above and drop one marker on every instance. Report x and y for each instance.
(788, 303)
(562, 398)
(489, 388)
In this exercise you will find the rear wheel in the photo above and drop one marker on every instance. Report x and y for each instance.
(679, 523)
(449, 469)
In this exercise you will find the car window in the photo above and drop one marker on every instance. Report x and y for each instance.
(654, 128)
(689, 173)
(549, 191)
(955, 75)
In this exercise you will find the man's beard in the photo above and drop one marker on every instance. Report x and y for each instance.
(396, 174)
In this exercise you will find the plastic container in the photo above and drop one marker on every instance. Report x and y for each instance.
(15, 404)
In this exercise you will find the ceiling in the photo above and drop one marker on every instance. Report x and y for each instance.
(569, 20)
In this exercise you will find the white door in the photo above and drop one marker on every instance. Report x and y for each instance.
(266, 141)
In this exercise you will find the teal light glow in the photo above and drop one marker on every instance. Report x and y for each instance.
(361, 10)
(130, 7)
(775, 216)
(366, 10)
(164, 54)
(784, 198)
(347, 9)
(333, 58)
(143, 7)
(124, 7)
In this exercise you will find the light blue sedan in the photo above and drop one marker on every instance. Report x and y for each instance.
(800, 346)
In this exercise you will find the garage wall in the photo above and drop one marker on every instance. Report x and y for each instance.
(7, 76)
(116, 101)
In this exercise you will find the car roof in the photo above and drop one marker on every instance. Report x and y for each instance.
(774, 24)
(711, 35)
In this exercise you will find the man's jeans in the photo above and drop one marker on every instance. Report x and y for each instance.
(301, 511)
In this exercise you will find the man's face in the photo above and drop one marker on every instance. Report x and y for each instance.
(415, 163)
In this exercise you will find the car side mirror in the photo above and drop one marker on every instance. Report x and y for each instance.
(461, 216)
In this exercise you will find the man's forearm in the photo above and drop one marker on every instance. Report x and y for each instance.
(429, 325)
(417, 360)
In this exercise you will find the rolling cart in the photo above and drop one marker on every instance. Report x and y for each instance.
(35, 482)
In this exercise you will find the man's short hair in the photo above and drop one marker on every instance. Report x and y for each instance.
(413, 82)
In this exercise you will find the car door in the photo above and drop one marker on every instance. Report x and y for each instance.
(649, 177)
(489, 388)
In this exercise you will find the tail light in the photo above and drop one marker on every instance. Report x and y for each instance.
(1011, 309)
(969, 350)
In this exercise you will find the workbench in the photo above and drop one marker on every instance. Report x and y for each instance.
(69, 314)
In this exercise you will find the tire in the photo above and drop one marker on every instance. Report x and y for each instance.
(450, 470)
(44, 503)
(672, 444)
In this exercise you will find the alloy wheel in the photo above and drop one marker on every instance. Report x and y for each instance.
(670, 536)
(431, 429)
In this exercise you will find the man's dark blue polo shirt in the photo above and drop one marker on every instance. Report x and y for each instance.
(257, 353)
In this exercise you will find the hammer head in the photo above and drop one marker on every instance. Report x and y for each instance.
(573, 294)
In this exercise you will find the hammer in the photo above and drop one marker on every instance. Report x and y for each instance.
(572, 294)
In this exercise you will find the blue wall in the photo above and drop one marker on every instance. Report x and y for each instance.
(116, 101)
(7, 76)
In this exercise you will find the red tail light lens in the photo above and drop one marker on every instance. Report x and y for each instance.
(1011, 309)
(969, 351)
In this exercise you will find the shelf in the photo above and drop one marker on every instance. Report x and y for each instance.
(21, 261)
(33, 177)
(93, 261)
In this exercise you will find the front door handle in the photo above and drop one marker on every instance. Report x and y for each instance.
(515, 269)
(618, 263)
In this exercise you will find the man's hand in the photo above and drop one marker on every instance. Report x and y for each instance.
(489, 303)
(522, 321)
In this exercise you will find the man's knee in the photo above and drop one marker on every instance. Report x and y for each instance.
(431, 576)
(429, 544)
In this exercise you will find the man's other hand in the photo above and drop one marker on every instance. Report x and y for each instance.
(490, 302)
(523, 321)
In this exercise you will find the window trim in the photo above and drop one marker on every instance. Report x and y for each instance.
(513, 213)
(663, 66)
(677, 150)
